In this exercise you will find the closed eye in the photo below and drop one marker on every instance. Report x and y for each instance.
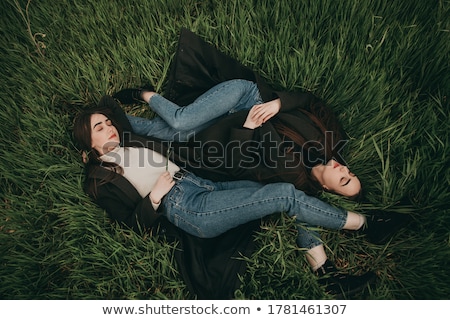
(98, 126)
(345, 183)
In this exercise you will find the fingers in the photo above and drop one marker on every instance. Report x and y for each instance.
(166, 181)
(254, 119)
(166, 176)
(256, 112)
(267, 117)
(261, 113)
(169, 177)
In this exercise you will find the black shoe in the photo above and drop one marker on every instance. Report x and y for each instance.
(342, 285)
(132, 95)
(381, 226)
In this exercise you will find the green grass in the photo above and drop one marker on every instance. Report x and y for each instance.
(384, 66)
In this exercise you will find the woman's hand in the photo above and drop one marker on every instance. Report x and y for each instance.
(250, 122)
(162, 187)
(261, 113)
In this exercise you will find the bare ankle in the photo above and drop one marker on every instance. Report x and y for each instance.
(146, 95)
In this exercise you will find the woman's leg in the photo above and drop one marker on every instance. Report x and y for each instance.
(207, 209)
(316, 257)
(158, 128)
(226, 97)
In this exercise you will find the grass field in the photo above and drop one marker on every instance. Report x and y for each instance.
(383, 66)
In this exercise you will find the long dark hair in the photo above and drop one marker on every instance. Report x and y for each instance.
(82, 135)
(327, 126)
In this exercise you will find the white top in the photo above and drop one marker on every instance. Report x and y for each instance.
(141, 167)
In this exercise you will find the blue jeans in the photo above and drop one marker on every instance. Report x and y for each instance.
(206, 209)
(175, 123)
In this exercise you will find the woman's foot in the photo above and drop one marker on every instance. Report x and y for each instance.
(381, 226)
(134, 95)
(342, 285)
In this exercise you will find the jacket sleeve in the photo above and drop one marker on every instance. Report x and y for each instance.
(296, 100)
(127, 207)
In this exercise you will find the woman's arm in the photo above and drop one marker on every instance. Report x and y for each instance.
(295, 100)
(162, 187)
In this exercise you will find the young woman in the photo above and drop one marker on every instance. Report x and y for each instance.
(136, 184)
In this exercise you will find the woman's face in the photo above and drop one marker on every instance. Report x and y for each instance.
(337, 178)
(104, 136)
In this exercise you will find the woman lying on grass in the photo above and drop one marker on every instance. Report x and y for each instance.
(136, 184)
